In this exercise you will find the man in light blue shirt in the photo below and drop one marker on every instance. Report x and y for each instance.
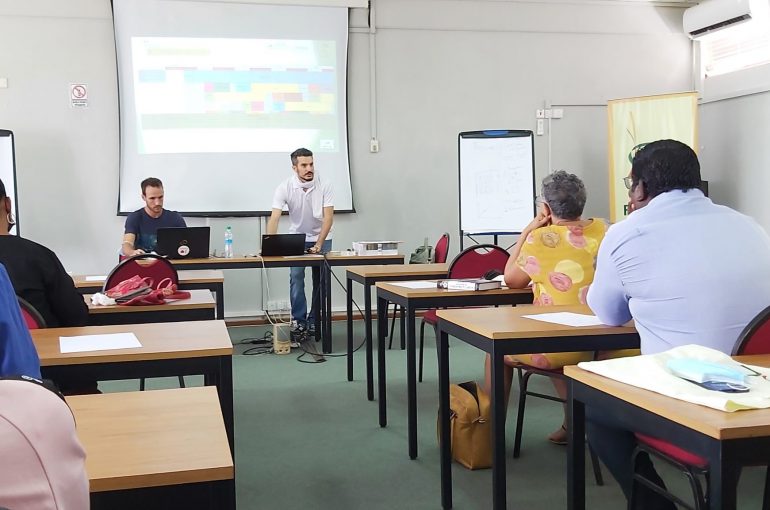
(686, 270)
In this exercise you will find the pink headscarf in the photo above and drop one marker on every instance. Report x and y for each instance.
(43, 463)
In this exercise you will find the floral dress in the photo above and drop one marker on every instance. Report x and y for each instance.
(561, 260)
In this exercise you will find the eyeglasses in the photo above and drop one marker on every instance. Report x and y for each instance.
(628, 181)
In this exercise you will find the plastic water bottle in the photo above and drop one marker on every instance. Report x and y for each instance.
(228, 243)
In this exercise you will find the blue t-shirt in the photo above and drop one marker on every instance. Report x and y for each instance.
(145, 227)
(17, 352)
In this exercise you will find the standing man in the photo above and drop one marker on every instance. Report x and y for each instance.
(142, 225)
(311, 211)
(686, 270)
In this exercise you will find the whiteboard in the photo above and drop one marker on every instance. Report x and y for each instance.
(8, 173)
(497, 181)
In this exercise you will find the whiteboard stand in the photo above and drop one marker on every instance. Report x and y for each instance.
(496, 182)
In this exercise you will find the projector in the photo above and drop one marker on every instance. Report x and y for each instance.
(376, 247)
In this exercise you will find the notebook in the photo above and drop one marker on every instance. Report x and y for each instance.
(276, 245)
(183, 242)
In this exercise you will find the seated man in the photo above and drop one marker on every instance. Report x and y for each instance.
(17, 352)
(38, 276)
(142, 225)
(686, 270)
(43, 462)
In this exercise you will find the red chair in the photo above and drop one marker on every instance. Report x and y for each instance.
(146, 265)
(31, 316)
(440, 253)
(754, 339)
(473, 262)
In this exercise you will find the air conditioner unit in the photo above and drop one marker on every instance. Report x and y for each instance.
(713, 15)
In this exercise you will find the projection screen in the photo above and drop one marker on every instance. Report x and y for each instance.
(214, 97)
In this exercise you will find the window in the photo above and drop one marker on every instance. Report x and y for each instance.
(736, 61)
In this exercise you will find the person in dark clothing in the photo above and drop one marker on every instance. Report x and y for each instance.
(38, 276)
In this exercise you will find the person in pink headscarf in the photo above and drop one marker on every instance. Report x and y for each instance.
(43, 462)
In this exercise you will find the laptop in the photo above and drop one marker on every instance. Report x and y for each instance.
(183, 242)
(277, 245)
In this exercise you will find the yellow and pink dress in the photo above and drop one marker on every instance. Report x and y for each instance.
(560, 260)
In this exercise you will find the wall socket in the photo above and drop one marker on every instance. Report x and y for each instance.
(374, 145)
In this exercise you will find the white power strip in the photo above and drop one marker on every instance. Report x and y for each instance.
(282, 338)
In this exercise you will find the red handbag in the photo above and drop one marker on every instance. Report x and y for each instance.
(166, 291)
(130, 288)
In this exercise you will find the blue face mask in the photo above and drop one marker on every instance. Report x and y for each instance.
(699, 371)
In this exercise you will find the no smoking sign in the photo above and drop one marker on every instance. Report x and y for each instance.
(78, 94)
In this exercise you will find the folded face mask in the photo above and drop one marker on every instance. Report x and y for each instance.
(699, 371)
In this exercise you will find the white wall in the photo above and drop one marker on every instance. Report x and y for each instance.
(442, 66)
(735, 153)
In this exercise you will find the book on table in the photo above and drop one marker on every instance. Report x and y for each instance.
(468, 284)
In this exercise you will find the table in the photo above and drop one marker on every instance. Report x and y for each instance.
(367, 276)
(320, 264)
(727, 440)
(143, 444)
(168, 349)
(200, 306)
(502, 331)
(411, 300)
(210, 279)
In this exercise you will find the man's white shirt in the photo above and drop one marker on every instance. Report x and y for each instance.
(305, 207)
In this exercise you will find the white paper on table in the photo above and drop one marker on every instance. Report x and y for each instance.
(418, 284)
(566, 318)
(96, 278)
(109, 342)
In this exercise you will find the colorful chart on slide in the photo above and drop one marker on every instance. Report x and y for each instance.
(235, 95)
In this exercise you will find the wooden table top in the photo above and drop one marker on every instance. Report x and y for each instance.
(333, 259)
(711, 422)
(202, 276)
(163, 340)
(152, 438)
(199, 298)
(406, 292)
(507, 323)
(385, 270)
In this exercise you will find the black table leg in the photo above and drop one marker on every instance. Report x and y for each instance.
(576, 486)
(498, 432)
(327, 283)
(411, 382)
(349, 317)
(723, 482)
(443, 393)
(318, 312)
(219, 290)
(368, 340)
(382, 332)
(403, 320)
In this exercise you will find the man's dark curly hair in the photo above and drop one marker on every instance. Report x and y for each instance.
(666, 165)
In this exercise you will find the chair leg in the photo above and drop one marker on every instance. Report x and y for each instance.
(141, 384)
(422, 343)
(392, 325)
(523, 377)
(596, 466)
(181, 381)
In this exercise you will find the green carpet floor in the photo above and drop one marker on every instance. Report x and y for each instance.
(306, 438)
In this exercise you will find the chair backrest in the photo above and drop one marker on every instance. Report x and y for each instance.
(473, 262)
(147, 265)
(442, 249)
(755, 338)
(32, 317)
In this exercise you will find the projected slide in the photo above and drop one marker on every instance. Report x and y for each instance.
(195, 95)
